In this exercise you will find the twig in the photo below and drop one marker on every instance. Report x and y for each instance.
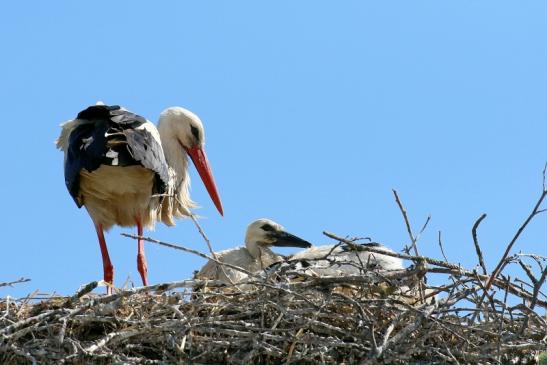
(534, 212)
(189, 250)
(502, 262)
(413, 239)
(210, 247)
(407, 224)
(476, 242)
(12, 283)
(440, 242)
(533, 302)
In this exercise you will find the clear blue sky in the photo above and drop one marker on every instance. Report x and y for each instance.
(313, 111)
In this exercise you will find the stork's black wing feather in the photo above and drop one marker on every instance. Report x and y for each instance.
(111, 135)
(148, 152)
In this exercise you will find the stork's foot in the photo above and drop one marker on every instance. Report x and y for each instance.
(142, 266)
(108, 277)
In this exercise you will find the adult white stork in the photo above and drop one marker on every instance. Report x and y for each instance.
(126, 172)
(343, 260)
(255, 256)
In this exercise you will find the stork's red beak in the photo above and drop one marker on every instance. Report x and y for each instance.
(198, 156)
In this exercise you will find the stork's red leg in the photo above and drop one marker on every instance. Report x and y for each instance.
(108, 269)
(141, 259)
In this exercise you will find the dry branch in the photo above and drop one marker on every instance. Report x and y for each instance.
(12, 283)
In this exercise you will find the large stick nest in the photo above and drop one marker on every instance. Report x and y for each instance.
(283, 317)
(290, 316)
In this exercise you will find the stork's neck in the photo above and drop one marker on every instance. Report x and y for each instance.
(262, 254)
(254, 249)
(175, 154)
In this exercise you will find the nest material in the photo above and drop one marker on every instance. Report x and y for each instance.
(283, 317)
(287, 316)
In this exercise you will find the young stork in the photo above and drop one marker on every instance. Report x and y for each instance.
(255, 256)
(126, 172)
(343, 260)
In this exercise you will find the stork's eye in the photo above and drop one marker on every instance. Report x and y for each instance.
(195, 132)
(267, 227)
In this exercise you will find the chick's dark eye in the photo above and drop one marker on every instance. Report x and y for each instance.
(267, 227)
(195, 132)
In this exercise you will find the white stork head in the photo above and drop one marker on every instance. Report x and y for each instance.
(264, 233)
(185, 125)
(180, 128)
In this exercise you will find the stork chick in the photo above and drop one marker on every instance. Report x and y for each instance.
(344, 260)
(255, 256)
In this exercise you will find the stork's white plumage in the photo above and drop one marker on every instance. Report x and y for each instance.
(255, 256)
(126, 172)
(343, 260)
